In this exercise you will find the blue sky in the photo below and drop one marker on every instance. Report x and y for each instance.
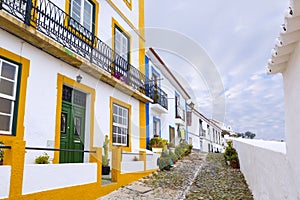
(238, 37)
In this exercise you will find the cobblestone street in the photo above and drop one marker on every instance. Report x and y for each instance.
(197, 176)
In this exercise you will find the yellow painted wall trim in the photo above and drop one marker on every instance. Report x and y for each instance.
(123, 16)
(22, 93)
(61, 80)
(128, 106)
(114, 24)
(142, 105)
(128, 4)
(15, 155)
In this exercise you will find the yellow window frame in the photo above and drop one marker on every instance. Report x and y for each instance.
(125, 105)
(76, 32)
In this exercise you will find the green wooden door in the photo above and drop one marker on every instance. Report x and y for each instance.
(72, 132)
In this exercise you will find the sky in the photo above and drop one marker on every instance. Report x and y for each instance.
(237, 36)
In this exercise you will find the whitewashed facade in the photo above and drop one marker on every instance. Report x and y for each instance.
(203, 133)
(167, 118)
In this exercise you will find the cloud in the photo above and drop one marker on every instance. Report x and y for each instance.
(238, 36)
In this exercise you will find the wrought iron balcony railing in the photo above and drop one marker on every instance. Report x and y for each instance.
(158, 96)
(56, 24)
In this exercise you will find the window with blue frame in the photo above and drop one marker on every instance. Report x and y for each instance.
(156, 126)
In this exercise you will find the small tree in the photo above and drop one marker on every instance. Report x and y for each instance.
(105, 159)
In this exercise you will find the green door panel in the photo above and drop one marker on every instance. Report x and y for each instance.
(72, 132)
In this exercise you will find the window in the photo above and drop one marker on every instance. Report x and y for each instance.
(121, 43)
(189, 118)
(8, 95)
(83, 11)
(156, 126)
(120, 125)
(177, 106)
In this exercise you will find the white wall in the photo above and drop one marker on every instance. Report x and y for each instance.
(291, 77)
(151, 161)
(132, 166)
(5, 173)
(39, 177)
(266, 170)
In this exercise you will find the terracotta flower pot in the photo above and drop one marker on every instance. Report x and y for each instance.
(234, 165)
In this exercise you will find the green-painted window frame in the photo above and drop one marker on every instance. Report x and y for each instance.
(16, 101)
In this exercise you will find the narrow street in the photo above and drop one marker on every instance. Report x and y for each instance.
(197, 176)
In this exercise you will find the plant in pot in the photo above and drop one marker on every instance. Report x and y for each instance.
(105, 159)
(231, 155)
(164, 161)
(173, 156)
(179, 151)
(1, 153)
(234, 161)
(156, 144)
(171, 147)
(43, 159)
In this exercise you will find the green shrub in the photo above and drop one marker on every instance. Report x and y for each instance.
(105, 159)
(43, 159)
(231, 154)
(173, 156)
(179, 151)
(164, 162)
(156, 142)
(1, 151)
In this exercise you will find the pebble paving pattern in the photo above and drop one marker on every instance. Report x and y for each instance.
(196, 176)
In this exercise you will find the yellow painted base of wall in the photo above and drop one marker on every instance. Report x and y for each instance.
(84, 192)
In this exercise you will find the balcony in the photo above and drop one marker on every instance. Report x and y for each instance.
(158, 96)
(46, 26)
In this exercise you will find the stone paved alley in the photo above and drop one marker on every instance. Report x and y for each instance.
(197, 176)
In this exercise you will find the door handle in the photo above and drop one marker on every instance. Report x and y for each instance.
(77, 141)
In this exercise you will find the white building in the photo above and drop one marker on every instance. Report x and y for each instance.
(167, 117)
(203, 133)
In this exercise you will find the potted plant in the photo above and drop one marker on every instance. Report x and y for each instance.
(156, 144)
(135, 158)
(234, 161)
(173, 156)
(171, 147)
(1, 153)
(164, 161)
(43, 159)
(231, 155)
(105, 159)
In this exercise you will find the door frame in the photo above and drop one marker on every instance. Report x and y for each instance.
(90, 105)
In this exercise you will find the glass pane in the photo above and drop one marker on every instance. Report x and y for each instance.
(115, 108)
(77, 125)
(115, 119)
(5, 105)
(63, 123)
(6, 87)
(79, 98)
(4, 123)
(8, 71)
(87, 16)
(67, 94)
(76, 9)
(114, 138)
